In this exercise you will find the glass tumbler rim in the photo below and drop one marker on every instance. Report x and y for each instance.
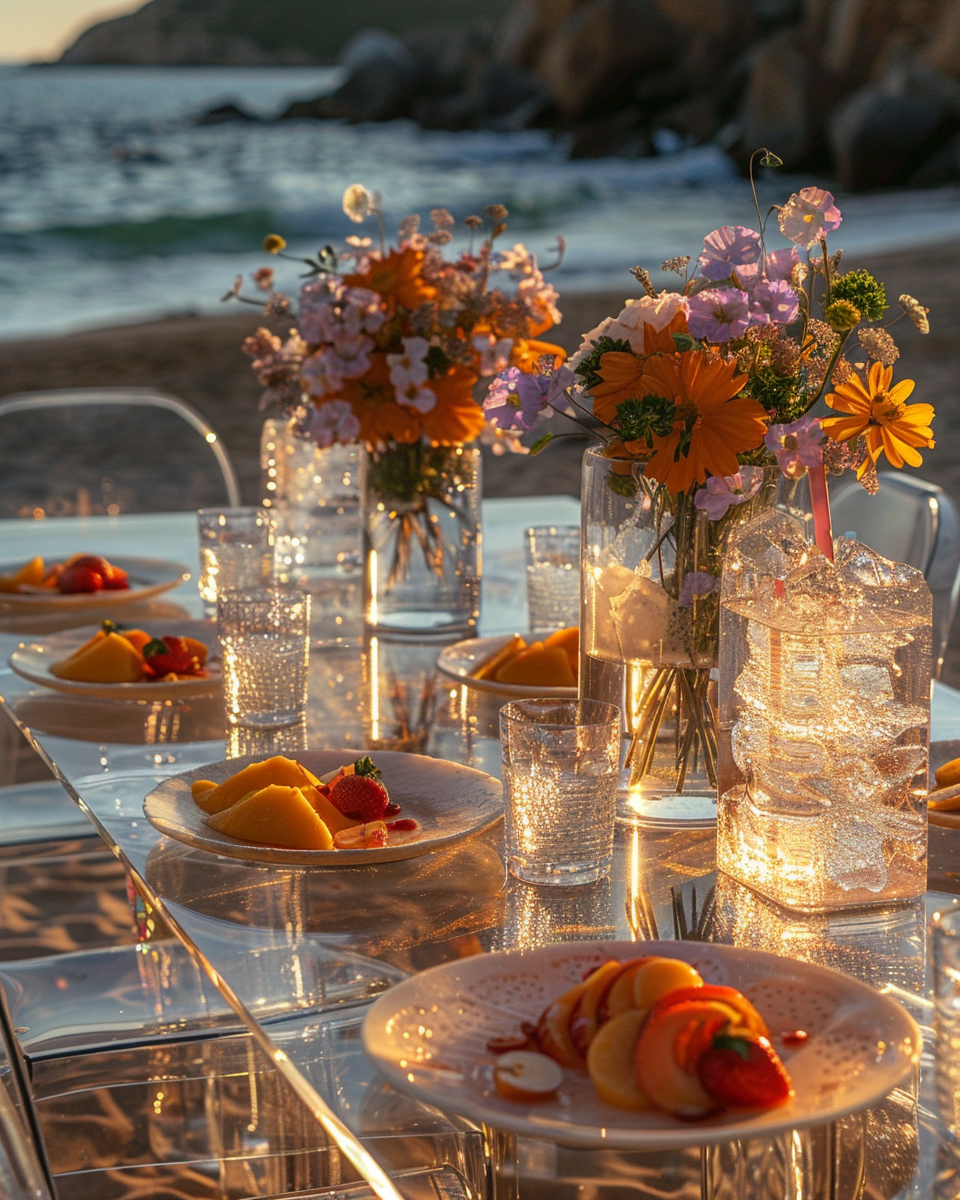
(603, 713)
(241, 509)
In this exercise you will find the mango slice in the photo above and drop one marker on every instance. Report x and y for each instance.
(489, 669)
(137, 638)
(106, 659)
(332, 817)
(200, 787)
(539, 666)
(277, 770)
(274, 816)
(30, 575)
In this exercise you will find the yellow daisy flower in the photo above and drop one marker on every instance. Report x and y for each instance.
(879, 413)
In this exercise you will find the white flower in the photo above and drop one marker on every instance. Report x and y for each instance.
(410, 367)
(494, 354)
(357, 202)
(657, 311)
(413, 396)
(807, 216)
(586, 345)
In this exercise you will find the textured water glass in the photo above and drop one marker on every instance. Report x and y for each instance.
(265, 643)
(561, 762)
(236, 552)
(553, 577)
(945, 935)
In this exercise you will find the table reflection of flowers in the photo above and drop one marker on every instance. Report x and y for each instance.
(389, 344)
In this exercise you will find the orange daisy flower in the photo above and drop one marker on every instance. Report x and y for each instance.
(396, 276)
(527, 352)
(878, 413)
(622, 372)
(374, 403)
(711, 427)
(456, 417)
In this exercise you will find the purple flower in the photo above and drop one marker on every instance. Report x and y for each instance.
(779, 263)
(332, 422)
(728, 249)
(697, 583)
(797, 446)
(718, 314)
(722, 492)
(775, 303)
(808, 216)
(515, 399)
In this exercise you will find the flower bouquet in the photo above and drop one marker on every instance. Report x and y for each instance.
(702, 398)
(389, 345)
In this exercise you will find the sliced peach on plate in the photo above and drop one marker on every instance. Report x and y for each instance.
(745, 1015)
(31, 574)
(660, 1074)
(660, 976)
(332, 817)
(610, 1062)
(584, 1016)
(110, 659)
(286, 771)
(137, 638)
(553, 1029)
(489, 668)
(274, 815)
(618, 997)
(539, 666)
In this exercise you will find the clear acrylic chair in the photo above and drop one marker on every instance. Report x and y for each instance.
(86, 451)
(912, 521)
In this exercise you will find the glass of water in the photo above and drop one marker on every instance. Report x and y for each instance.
(236, 551)
(265, 645)
(945, 934)
(561, 764)
(553, 578)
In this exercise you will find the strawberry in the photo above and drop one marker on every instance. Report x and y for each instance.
(116, 580)
(170, 656)
(740, 1070)
(360, 797)
(80, 577)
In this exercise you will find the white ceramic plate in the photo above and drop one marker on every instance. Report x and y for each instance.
(462, 658)
(147, 577)
(428, 1035)
(32, 661)
(448, 801)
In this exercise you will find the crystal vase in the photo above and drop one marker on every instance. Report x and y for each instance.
(649, 631)
(315, 493)
(824, 716)
(421, 540)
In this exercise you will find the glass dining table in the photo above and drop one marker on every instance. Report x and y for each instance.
(298, 953)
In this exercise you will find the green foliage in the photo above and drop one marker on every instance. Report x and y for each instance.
(684, 341)
(541, 443)
(862, 290)
(437, 362)
(781, 394)
(588, 370)
(622, 485)
(639, 420)
(366, 768)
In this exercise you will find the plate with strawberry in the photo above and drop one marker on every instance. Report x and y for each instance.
(112, 661)
(641, 1045)
(81, 581)
(326, 808)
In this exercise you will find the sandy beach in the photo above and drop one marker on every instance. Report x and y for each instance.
(199, 359)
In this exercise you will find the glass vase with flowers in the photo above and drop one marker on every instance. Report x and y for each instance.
(390, 343)
(701, 398)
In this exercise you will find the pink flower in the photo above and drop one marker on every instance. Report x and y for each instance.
(423, 399)
(409, 372)
(334, 421)
(779, 263)
(808, 216)
(775, 303)
(723, 492)
(322, 373)
(263, 278)
(494, 353)
(797, 446)
(718, 314)
(728, 249)
(697, 583)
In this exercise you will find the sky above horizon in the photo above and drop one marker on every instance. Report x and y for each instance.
(40, 30)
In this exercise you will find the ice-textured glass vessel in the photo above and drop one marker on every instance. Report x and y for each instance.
(824, 716)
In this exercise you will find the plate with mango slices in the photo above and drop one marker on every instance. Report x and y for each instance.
(79, 581)
(326, 808)
(110, 661)
(516, 665)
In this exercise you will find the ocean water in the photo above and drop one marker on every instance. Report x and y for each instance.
(115, 206)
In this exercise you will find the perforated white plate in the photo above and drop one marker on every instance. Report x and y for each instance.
(428, 1035)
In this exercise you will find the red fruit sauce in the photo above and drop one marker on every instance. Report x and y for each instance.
(404, 825)
(795, 1038)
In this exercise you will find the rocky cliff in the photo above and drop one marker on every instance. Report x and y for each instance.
(256, 32)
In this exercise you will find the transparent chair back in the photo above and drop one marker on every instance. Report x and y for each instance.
(912, 521)
(23, 1169)
(100, 451)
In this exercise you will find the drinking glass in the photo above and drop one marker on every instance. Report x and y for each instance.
(561, 763)
(236, 552)
(945, 932)
(265, 643)
(553, 577)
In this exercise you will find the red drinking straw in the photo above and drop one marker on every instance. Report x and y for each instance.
(820, 503)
